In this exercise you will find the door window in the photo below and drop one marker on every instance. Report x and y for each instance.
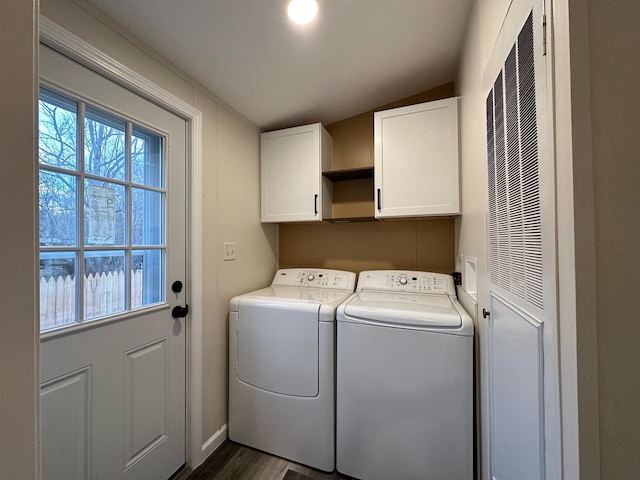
(102, 213)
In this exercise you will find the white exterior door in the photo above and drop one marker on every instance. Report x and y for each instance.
(112, 242)
(522, 375)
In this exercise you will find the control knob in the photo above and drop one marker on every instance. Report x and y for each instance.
(311, 277)
(403, 281)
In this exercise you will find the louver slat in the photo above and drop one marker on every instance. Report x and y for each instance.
(491, 175)
(515, 230)
(501, 208)
(531, 190)
(514, 188)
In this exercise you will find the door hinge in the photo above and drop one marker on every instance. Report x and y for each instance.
(544, 35)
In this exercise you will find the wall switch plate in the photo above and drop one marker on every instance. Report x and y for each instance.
(229, 251)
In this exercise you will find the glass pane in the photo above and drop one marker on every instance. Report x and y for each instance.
(146, 158)
(104, 214)
(57, 135)
(147, 217)
(57, 205)
(104, 145)
(104, 284)
(57, 289)
(147, 278)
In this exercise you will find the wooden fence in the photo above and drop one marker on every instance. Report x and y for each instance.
(104, 294)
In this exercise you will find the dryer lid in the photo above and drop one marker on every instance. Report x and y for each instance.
(428, 311)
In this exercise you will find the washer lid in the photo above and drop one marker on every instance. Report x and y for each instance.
(416, 310)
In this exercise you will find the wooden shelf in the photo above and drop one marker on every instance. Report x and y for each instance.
(351, 219)
(349, 174)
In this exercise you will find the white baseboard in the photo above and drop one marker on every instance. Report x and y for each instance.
(213, 442)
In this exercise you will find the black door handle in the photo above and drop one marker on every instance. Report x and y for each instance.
(180, 312)
(379, 202)
(315, 204)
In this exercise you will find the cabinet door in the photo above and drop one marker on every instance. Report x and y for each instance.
(416, 160)
(290, 174)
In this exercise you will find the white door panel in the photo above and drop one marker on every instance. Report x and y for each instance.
(517, 423)
(113, 388)
(65, 412)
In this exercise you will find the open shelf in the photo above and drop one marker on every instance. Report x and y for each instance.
(349, 174)
(353, 200)
(350, 219)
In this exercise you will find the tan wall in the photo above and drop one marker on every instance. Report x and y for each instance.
(416, 245)
(614, 39)
(230, 165)
(425, 245)
(18, 325)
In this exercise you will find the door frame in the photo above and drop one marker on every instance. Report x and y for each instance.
(61, 40)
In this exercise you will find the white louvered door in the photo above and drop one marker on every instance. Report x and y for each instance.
(524, 426)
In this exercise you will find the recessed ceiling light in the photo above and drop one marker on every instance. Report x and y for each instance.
(302, 11)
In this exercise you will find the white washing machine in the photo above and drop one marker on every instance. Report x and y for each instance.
(404, 379)
(281, 365)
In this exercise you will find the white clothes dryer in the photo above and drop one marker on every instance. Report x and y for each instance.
(404, 379)
(281, 365)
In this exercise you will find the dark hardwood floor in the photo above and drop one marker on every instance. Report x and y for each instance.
(236, 462)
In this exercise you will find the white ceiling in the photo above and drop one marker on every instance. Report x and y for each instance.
(356, 56)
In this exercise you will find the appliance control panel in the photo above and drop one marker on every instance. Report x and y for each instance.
(407, 281)
(315, 278)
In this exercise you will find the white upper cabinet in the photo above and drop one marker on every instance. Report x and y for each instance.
(292, 162)
(416, 160)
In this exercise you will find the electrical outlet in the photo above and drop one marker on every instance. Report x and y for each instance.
(229, 251)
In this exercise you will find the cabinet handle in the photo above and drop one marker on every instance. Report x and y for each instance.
(379, 202)
(315, 204)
